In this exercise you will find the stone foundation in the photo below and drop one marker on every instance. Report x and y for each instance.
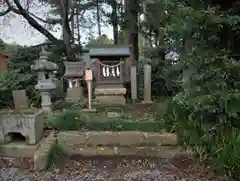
(110, 94)
(94, 143)
(74, 94)
(129, 143)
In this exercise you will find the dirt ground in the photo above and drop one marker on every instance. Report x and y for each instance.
(77, 168)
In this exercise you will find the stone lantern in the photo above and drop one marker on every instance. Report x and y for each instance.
(45, 84)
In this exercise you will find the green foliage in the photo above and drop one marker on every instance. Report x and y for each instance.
(11, 80)
(76, 120)
(57, 156)
(206, 114)
(66, 120)
(103, 40)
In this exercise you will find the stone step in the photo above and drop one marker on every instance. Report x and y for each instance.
(111, 99)
(123, 139)
(110, 89)
(163, 152)
(18, 150)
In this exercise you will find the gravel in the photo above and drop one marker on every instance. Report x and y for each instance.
(108, 169)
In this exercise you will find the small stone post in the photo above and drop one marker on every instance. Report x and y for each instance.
(147, 83)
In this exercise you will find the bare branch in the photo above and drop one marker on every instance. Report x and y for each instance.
(47, 21)
(35, 24)
(3, 13)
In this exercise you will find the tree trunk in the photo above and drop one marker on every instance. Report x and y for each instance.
(114, 20)
(131, 25)
(36, 25)
(98, 19)
(67, 34)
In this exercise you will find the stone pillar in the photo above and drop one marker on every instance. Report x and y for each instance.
(147, 83)
(133, 73)
(46, 102)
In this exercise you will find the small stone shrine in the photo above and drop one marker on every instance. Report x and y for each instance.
(45, 84)
(110, 71)
(74, 73)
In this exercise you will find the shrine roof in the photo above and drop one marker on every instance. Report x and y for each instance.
(111, 51)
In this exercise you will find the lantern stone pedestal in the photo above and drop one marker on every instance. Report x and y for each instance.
(45, 84)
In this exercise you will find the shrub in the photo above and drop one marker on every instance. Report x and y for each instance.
(206, 114)
(66, 120)
(57, 156)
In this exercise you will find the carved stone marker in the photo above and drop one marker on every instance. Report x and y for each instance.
(20, 99)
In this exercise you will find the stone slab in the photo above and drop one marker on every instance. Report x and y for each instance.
(127, 138)
(41, 156)
(18, 150)
(92, 151)
(113, 114)
(146, 102)
(20, 99)
(165, 139)
(163, 152)
(108, 99)
(74, 94)
(158, 152)
(89, 110)
(110, 91)
(107, 138)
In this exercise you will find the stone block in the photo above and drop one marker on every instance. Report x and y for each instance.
(157, 139)
(113, 114)
(74, 94)
(92, 151)
(111, 99)
(29, 124)
(18, 150)
(71, 139)
(127, 138)
(20, 99)
(111, 91)
(158, 152)
(41, 156)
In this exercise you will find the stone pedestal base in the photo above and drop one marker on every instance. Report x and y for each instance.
(74, 94)
(105, 99)
(110, 94)
(89, 110)
(146, 102)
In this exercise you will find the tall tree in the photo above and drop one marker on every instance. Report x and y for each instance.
(65, 8)
(131, 26)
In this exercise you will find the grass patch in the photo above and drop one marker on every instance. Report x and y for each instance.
(75, 120)
(57, 156)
